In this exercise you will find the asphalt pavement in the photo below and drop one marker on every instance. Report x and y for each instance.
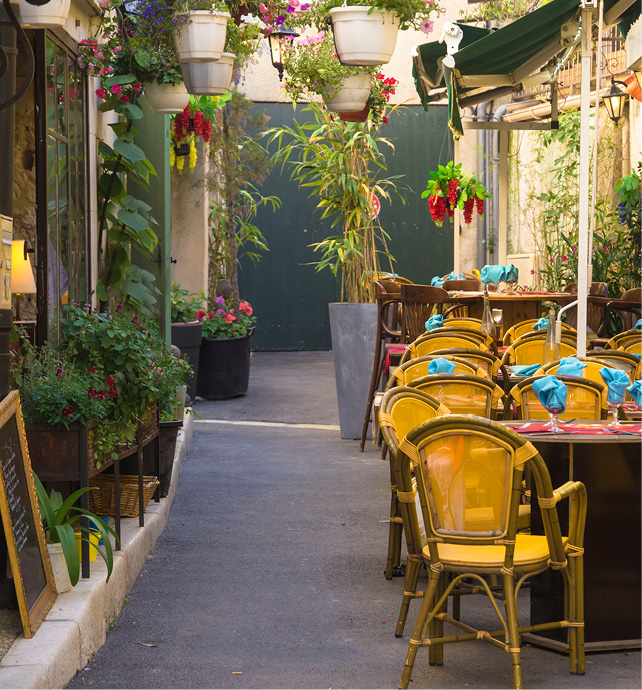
(270, 571)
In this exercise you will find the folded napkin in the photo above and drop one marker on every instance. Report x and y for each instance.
(436, 321)
(512, 274)
(638, 324)
(441, 365)
(493, 274)
(617, 381)
(571, 366)
(635, 390)
(455, 276)
(437, 281)
(524, 369)
(541, 325)
(551, 392)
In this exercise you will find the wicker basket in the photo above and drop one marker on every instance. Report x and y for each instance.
(101, 501)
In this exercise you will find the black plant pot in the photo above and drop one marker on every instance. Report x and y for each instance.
(168, 433)
(224, 367)
(187, 338)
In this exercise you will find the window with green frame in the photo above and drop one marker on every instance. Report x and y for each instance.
(63, 212)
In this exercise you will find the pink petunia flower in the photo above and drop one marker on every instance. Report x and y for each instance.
(427, 25)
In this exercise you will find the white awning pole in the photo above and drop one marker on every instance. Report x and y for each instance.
(585, 135)
(456, 223)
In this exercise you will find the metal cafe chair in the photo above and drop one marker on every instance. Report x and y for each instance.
(463, 393)
(418, 304)
(474, 542)
(586, 399)
(402, 409)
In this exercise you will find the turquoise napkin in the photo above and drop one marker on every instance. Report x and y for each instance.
(551, 392)
(638, 324)
(492, 274)
(617, 381)
(541, 325)
(571, 366)
(635, 389)
(436, 321)
(455, 276)
(512, 274)
(437, 281)
(441, 365)
(524, 369)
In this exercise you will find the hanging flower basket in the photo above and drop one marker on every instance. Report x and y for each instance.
(364, 39)
(166, 99)
(201, 36)
(360, 116)
(48, 16)
(211, 78)
(352, 96)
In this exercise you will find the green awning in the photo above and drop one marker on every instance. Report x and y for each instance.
(493, 63)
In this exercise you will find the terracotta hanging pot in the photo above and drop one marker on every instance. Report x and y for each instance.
(364, 39)
(360, 116)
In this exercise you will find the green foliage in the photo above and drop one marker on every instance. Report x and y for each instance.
(170, 372)
(411, 13)
(184, 304)
(60, 519)
(341, 164)
(499, 12)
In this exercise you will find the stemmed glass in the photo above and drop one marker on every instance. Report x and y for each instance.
(498, 320)
(552, 423)
(613, 407)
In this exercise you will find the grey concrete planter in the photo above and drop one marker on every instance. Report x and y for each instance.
(353, 330)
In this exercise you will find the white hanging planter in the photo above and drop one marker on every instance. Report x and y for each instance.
(48, 16)
(166, 99)
(362, 38)
(209, 78)
(352, 96)
(202, 36)
(59, 568)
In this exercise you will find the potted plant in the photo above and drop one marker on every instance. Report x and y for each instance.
(200, 28)
(365, 31)
(313, 69)
(353, 253)
(48, 15)
(228, 322)
(62, 522)
(187, 330)
(448, 188)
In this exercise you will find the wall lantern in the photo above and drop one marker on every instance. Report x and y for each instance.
(615, 100)
(22, 281)
(277, 39)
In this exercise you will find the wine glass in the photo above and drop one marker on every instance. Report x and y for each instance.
(613, 407)
(552, 423)
(498, 320)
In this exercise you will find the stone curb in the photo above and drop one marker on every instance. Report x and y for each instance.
(77, 625)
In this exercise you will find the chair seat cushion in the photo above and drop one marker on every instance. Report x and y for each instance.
(530, 550)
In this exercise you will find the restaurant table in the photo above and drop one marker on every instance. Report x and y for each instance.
(516, 307)
(608, 463)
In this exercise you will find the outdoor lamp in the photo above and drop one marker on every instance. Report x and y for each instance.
(22, 282)
(277, 40)
(615, 100)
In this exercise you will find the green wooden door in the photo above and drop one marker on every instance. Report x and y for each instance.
(289, 298)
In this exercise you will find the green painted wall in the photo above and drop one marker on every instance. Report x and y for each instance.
(289, 298)
(154, 140)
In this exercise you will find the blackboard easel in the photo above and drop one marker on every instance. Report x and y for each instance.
(28, 555)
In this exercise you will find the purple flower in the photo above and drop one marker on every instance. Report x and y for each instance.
(220, 311)
(219, 300)
(279, 20)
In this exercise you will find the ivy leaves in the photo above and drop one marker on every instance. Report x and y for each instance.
(125, 221)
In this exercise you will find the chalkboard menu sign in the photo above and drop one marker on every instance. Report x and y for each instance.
(23, 530)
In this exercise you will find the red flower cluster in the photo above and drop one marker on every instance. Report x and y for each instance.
(66, 411)
(246, 308)
(389, 84)
(469, 205)
(202, 125)
(101, 394)
(97, 393)
(452, 192)
(480, 205)
(437, 206)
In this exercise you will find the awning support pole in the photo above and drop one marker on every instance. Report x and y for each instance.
(502, 221)
(585, 133)
(456, 219)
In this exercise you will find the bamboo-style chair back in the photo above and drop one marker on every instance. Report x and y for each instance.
(591, 371)
(525, 327)
(616, 359)
(621, 341)
(462, 322)
(586, 399)
(419, 302)
(633, 347)
(431, 342)
(463, 284)
(472, 536)
(464, 393)
(530, 350)
(489, 362)
(416, 368)
(629, 307)
(474, 333)
(596, 311)
(384, 275)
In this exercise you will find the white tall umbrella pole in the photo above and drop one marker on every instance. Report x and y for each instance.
(456, 223)
(585, 135)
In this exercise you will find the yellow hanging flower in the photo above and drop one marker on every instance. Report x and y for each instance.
(172, 156)
(180, 163)
(192, 152)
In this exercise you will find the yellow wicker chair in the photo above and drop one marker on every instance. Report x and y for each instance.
(622, 340)
(633, 348)
(442, 453)
(617, 359)
(416, 368)
(586, 399)
(525, 327)
(462, 322)
(530, 350)
(464, 393)
(591, 371)
(473, 333)
(431, 342)
(402, 409)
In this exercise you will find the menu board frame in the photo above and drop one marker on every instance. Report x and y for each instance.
(31, 616)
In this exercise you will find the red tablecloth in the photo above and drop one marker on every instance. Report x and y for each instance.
(538, 427)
